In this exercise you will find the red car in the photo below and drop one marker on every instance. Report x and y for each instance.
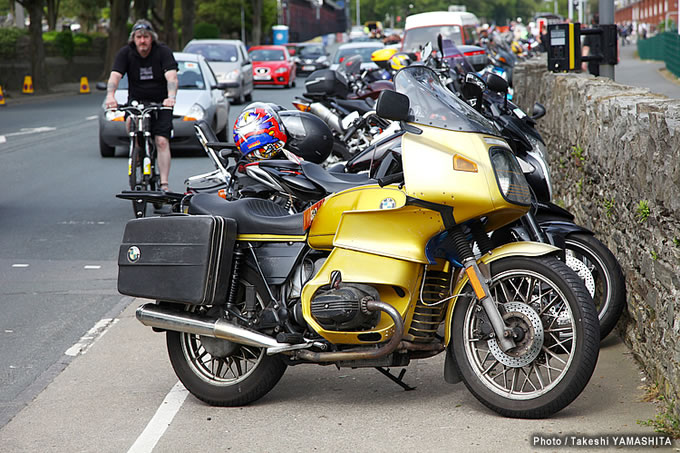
(272, 65)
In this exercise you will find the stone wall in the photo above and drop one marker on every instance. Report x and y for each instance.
(613, 152)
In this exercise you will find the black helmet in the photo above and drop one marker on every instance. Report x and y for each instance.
(308, 136)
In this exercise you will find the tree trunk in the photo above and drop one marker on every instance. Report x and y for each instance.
(118, 35)
(188, 17)
(38, 72)
(52, 13)
(169, 24)
(141, 10)
(257, 22)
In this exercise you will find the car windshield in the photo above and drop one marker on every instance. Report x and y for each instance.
(310, 51)
(363, 52)
(418, 37)
(267, 55)
(214, 52)
(190, 76)
(431, 104)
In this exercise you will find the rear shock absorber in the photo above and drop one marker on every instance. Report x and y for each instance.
(235, 275)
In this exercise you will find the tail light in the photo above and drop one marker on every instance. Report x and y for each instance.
(302, 107)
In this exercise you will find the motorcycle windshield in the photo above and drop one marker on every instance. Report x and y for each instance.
(455, 57)
(350, 65)
(431, 104)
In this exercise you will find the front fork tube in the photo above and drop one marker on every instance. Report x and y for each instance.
(479, 282)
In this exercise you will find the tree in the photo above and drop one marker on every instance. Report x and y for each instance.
(118, 34)
(188, 17)
(257, 22)
(169, 31)
(52, 13)
(38, 71)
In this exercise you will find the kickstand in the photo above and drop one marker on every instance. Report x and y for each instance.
(396, 379)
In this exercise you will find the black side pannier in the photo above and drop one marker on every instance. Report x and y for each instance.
(327, 82)
(177, 258)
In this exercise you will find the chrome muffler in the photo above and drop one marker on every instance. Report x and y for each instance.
(153, 315)
(327, 116)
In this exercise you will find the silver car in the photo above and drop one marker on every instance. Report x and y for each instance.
(230, 62)
(199, 97)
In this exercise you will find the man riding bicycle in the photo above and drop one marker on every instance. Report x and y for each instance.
(152, 77)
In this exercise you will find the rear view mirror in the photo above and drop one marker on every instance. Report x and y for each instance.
(538, 112)
(427, 51)
(101, 86)
(497, 83)
(393, 106)
(473, 90)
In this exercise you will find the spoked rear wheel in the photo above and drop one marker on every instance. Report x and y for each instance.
(220, 372)
(557, 339)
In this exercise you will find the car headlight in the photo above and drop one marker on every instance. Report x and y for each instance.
(511, 180)
(195, 113)
(115, 115)
(540, 153)
(281, 70)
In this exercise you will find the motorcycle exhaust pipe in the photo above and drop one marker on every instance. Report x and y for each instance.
(327, 116)
(166, 318)
(363, 353)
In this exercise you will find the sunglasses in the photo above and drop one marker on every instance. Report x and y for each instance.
(142, 27)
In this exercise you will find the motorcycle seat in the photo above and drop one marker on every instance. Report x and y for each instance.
(252, 215)
(358, 105)
(334, 182)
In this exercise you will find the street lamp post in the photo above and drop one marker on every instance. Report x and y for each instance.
(358, 15)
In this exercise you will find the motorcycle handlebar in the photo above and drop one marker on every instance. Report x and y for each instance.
(390, 179)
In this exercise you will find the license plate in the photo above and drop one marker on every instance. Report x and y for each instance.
(309, 68)
(261, 77)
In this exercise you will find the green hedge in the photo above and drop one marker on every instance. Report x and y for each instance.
(8, 42)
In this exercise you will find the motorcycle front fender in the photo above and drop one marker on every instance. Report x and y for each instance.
(504, 251)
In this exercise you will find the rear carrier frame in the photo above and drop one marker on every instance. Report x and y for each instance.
(177, 258)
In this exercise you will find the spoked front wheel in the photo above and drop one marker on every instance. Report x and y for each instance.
(137, 180)
(556, 335)
(221, 372)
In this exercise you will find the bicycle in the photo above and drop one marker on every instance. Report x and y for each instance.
(142, 169)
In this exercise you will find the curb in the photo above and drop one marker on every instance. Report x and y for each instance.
(55, 92)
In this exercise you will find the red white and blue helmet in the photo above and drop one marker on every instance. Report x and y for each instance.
(259, 132)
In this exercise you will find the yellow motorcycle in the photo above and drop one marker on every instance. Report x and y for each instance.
(373, 276)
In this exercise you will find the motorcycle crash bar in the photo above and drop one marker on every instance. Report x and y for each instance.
(167, 318)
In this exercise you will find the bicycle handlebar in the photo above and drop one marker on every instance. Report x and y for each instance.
(139, 109)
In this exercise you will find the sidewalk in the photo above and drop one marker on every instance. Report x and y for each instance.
(645, 73)
(16, 97)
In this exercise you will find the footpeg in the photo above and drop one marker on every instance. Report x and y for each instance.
(290, 338)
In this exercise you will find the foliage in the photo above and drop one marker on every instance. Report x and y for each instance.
(227, 15)
(608, 206)
(666, 420)
(642, 211)
(8, 41)
(203, 30)
(62, 40)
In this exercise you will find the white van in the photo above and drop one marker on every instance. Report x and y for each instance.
(459, 27)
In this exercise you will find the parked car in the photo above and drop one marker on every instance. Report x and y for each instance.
(309, 57)
(199, 97)
(272, 65)
(364, 49)
(292, 48)
(357, 34)
(230, 62)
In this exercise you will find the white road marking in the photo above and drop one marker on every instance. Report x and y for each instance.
(31, 130)
(3, 139)
(92, 266)
(93, 117)
(20, 265)
(153, 432)
(92, 335)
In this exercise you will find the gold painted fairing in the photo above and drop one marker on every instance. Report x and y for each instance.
(429, 175)
(364, 198)
(382, 273)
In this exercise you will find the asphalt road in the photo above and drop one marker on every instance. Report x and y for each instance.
(61, 227)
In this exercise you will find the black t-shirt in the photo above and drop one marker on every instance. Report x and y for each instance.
(593, 43)
(146, 76)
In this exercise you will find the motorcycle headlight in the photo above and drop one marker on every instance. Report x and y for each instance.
(195, 113)
(281, 70)
(511, 181)
(540, 153)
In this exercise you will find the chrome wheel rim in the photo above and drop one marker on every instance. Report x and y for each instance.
(532, 373)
